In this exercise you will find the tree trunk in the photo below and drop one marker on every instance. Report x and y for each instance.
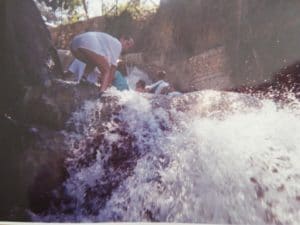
(85, 8)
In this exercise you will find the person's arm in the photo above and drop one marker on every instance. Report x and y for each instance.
(115, 54)
(105, 73)
(105, 78)
(152, 87)
(112, 74)
(105, 81)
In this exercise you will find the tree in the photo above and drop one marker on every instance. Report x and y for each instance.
(85, 8)
(64, 4)
(67, 9)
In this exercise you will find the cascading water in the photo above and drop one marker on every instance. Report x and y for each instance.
(204, 157)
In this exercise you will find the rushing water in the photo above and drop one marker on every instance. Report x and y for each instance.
(236, 162)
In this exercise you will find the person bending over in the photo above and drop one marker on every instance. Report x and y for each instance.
(101, 50)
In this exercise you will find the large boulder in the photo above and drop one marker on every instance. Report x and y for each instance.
(28, 57)
(260, 38)
(31, 97)
(51, 107)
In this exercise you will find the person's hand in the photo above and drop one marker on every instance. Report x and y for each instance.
(100, 94)
(84, 81)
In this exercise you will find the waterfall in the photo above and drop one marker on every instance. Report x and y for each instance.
(203, 157)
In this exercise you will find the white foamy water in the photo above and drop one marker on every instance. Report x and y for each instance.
(236, 166)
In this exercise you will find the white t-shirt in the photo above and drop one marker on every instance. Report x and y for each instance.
(100, 43)
(158, 86)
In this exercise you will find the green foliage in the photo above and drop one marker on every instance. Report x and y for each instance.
(68, 9)
(64, 4)
(136, 9)
(120, 17)
(73, 18)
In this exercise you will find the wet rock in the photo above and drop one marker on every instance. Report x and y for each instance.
(52, 107)
(35, 105)
(28, 60)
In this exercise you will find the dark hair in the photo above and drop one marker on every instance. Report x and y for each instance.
(140, 83)
(161, 74)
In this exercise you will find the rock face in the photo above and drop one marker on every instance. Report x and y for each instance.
(27, 54)
(47, 195)
(284, 83)
(33, 103)
(25, 49)
(209, 70)
(51, 107)
(260, 37)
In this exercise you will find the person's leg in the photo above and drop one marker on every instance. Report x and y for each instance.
(79, 55)
(87, 70)
(89, 67)
(91, 58)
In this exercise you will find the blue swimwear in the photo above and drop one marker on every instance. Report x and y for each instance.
(120, 82)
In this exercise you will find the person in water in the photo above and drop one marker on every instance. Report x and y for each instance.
(101, 50)
(159, 85)
(140, 86)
